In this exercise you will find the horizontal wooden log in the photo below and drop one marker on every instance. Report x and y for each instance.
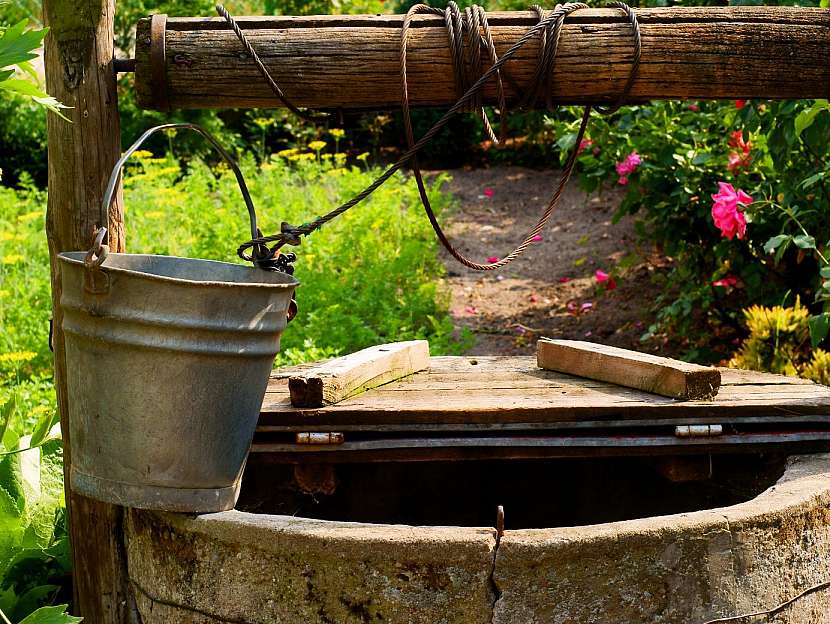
(352, 62)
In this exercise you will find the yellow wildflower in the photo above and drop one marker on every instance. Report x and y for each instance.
(12, 259)
(340, 157)
(17, 356)
(142, 154)
(287, 153)
(29, 216)
(333, 172)
(364, 156)
(297, 157)
(326, 156)
(337, 133)
(264, 122)
(317, 145)
(154, 214)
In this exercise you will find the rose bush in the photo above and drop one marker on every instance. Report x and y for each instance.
(735, 193)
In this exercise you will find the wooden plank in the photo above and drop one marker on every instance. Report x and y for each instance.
(78, 59)
(622, 367)
(337, 379)
(352, 62)
(488, 448)
(463, 397)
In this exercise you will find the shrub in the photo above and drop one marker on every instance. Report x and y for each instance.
(779, 342)
(777, 152)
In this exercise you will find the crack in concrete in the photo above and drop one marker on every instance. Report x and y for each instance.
(495, 591)
(733, 594)
(174, 605)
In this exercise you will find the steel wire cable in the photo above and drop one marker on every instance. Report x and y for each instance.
(473, 22)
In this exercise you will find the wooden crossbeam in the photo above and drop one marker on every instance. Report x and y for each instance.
(351, 62)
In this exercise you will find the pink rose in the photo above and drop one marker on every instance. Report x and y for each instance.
(628, 164)
(726, 213)
(583, 145)
(623, 181)
(694, 108)
(739, 104)
(726, 281)
(603, 278)
(488, 192)
(492, 259)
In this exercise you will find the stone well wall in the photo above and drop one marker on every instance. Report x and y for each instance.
(684, 568)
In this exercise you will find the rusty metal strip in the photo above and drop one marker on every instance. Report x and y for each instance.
(158, 62)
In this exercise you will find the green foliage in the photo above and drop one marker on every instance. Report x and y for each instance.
(34, 548)
(51, 615)
(22, 140)
(685, 148)
(779, 342)
(18, 45)
(370, 276)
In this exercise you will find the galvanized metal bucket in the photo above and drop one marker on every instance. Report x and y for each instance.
(167, 362)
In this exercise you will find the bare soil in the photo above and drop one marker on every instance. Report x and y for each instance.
(552, 290)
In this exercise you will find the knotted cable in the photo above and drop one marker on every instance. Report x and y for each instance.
(549, 24)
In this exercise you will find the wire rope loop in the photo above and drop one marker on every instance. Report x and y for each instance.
(473, 23)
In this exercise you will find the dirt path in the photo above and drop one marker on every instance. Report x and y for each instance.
(551, 290)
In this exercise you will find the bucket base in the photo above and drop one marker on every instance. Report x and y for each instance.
(190, 500)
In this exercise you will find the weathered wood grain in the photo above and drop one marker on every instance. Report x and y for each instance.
(623, 367)
(351, 62)
(333, 381)
(78, 57)
(502, 391)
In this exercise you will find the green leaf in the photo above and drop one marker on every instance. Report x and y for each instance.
(819, 326)
(32, 599)
(7, 411)
(806, 117)
(804, 241)
(566, 141)
(42, 427)
(825, 272)
(51, 615)
(773, 243)
(24, 87)
(805, 184)
(825, 4)
(17, 45)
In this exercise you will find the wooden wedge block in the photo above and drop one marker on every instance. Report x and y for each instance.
(643, 371)
(337, 379)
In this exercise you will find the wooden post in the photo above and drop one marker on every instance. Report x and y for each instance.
(78, 56)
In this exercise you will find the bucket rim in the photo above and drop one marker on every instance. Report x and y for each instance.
(76, 258)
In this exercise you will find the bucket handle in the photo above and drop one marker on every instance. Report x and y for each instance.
(115, 176)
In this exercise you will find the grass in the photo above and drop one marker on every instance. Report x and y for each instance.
(370, 276)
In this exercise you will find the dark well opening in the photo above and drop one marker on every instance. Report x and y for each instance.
(534, 493)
